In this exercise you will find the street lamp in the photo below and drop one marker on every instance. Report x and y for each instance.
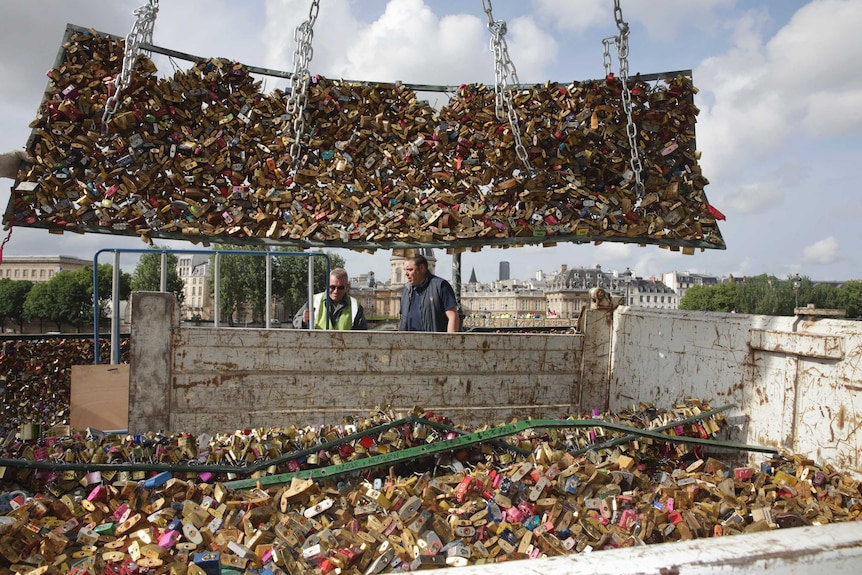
(797, 282)
(628, 280)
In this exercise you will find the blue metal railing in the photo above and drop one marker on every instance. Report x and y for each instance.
(115, 295)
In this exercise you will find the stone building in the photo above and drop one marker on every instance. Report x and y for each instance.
(39, 269)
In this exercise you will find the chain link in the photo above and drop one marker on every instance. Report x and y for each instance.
(142, 32)
(622, 44)
(295, 105)
(505, 79)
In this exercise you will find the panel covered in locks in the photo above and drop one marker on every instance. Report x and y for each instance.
(204, 155)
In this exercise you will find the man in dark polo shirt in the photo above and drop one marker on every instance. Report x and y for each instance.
(428, 302)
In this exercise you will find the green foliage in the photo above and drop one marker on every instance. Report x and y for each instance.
(698, 298)
(106, 281)
(243, 281)
(13, 294)
(768, 295)
(849, 297)
(148, 274)
(65, 298)
(292, 278)
(725, 297)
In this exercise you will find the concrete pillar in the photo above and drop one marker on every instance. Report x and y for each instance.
(597, 327)
(154, 315)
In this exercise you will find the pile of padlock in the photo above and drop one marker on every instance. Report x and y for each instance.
(458, 510)
(205, 155)
(38, 378)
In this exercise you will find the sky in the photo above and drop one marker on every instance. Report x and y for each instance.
(779, 129)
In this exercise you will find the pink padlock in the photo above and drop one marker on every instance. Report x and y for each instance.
(97, 494)
(122, 513)
(168, 538)
(70, 92)
(514, 515)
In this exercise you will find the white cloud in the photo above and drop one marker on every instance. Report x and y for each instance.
(825, 251)
(663, 19)
(833, 114)
(763, 94)
(531, 49)
(575, 16)
(754, 198)
(818, 49)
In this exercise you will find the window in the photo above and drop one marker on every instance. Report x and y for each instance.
(41, 274)
(16, 273)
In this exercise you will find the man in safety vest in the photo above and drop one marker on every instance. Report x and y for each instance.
(342, 310)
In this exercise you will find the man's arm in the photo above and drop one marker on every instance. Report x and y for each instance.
(451, 306)
(359, 322)
(454, 320)
(299, 320)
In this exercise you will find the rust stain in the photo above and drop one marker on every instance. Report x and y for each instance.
(842, 414)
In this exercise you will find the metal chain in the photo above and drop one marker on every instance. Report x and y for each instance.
(606, 56)
(505, 78)
(622, 45)
(303, 52)
(142, 32)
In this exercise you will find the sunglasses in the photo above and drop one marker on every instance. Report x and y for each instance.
(338, 288)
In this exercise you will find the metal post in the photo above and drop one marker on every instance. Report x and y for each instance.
(115, 311)
(311, 313)
(216, 290)
(268, 312)
(96, 308)
(456, 285)
(163, 280)
(797, 282)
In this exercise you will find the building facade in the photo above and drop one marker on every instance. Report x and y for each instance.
(38, 269)
(194, 271)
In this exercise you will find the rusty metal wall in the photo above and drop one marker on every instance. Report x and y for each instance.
(225, 379)
(796, 382)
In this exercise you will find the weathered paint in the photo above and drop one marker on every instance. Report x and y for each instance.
(835, 549)
(153, 316)
(796, 382)
(223, 379)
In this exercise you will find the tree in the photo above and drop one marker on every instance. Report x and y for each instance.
(39, 305)
(106, 282)
(849, 297)
(697, 298)
(13, 294)
(243, 281)
(148, 274)
(725, 297)
(765, 295)
(74, 296)
(292, 278)
(65, 298)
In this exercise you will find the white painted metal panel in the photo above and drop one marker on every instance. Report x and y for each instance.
(835, 549)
